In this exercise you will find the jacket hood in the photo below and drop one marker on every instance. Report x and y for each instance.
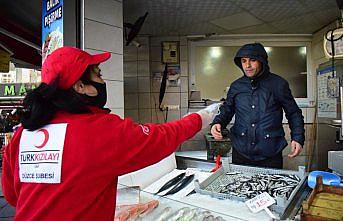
(255, 51)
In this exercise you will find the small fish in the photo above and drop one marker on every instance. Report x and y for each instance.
(189, 215)
(175, 216)
(180, 185)
(164, 214)
(219, 218)
(201, 216)
(209, 218)
(151, 206)
(171, 182)
(122, 216)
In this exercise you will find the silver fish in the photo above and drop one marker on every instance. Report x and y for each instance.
(175, 216)
(164, 214)
(189, 215)
(209, 218)
(201, 216)
(219, 218)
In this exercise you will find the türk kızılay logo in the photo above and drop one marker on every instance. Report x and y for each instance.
(40, 154)
(46, 138)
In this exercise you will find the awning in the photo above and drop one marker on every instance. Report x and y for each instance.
(23, 44)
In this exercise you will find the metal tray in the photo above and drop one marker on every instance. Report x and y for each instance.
(208, 186)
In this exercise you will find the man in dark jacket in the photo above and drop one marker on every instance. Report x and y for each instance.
(257, 100)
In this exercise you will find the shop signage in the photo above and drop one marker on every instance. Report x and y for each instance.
(52, 26)
(15, 89)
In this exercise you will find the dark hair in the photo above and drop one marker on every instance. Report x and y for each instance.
(41, 104)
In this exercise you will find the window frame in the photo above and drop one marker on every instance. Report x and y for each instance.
(271, 40)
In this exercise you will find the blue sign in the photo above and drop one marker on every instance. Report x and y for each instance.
(52, 26)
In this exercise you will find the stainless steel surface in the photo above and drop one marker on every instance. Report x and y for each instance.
(336, 122)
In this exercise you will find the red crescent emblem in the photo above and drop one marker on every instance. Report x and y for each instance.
(46, 138)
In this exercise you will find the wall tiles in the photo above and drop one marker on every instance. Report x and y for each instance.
(184, 100)
(184, 111)
(102, 19)
(109, 12)
(132, 113)
(156, 66)
(131, 101)
(154, 99)
(171, 98)
(143, 68)
(184, 84)
(155, 54)
(130, 85)
(130, 53)
(144, 115)
(96, 37)
(158, 116)
(310, 114)
(173, 115)
(184, 68)
(112, 69)
(144, 41)
(130, 69)
(144, 101)
(156, 85)
(118, 111)
(183, 53)
(143, 84)
(164, 116)
(143, 53)
(115, 98)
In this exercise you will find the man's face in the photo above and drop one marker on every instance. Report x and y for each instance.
(251, 66)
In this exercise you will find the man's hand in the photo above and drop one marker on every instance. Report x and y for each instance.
(296, 148)
(216, 132)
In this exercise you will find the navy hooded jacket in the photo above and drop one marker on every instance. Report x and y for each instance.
(258, 105)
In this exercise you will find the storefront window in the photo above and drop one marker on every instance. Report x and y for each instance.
(215, 70)
(15, 83)
(20, 75)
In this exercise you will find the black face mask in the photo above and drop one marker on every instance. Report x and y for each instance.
(100, 99)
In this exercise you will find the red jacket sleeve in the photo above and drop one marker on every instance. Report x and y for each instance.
(144, 145)
(10, 156)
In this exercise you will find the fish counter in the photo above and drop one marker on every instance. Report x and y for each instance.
(194, 194)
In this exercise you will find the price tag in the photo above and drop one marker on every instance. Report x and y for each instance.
(260, 202)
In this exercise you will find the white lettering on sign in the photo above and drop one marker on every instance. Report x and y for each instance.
(51, 3)
(53, 16)
(40, 154)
